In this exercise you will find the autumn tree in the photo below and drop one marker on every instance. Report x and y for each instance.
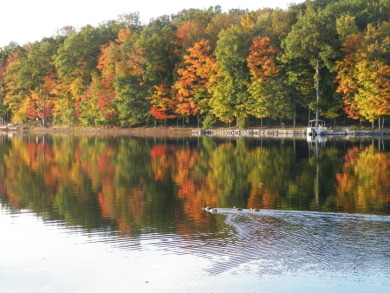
(219, 23)
(76, 61)
(313, 38)
(132, 92)
(5, 53)
(38, 75)
(101, 91)
(230, 82)
(156, 43)
(346, 77)
(363, 76)
(15, 92)
(192, 27)
(191, 91)
(269, 95)
(163, 104)
(125, 73)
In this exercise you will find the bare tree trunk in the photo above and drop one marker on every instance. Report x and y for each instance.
(295, 114)
(317, 78)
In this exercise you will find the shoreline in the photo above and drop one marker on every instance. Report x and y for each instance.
(190, 132)
(136, 131)
(345, 132)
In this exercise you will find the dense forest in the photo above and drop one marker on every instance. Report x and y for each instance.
(208, 68)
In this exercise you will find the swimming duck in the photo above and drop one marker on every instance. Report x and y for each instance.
(255, 210)
(206, 208)
(237, 209)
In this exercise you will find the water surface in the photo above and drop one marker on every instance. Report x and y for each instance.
(120, 214)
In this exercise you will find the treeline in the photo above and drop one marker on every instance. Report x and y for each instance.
(207, 67)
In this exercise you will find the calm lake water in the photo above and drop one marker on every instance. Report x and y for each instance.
(119, 214)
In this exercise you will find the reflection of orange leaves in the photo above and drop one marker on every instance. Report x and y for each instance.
(180, 164)
(193, 190)
(187, 188)
(31, 154)
(50, 178)
(184, 178)
(105, 163)
(162, 160)
(186, 159)
(136, 203)
(344, 182)
(104, 205)
(351, 156)
(108, 184)
(124, 226)
(161, 150)
(38, 153)
(129, 209)
(196, 195)
(262, 197)
(364, 179)
(14, 200)
(125, 206)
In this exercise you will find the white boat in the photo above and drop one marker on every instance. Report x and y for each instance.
(316, 127)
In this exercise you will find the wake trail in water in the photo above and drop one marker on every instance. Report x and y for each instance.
(280, 241)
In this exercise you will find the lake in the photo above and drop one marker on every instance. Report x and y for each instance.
(83, 213)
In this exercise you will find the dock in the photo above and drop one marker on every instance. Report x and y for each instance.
(285, 132)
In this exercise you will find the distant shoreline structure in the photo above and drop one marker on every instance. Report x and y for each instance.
(179, 131)
(284, 132)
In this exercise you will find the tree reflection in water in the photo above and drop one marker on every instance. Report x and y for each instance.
(323, 221)
(137, 183)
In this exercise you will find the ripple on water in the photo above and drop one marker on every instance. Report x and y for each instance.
(274, 250)
(277, 242)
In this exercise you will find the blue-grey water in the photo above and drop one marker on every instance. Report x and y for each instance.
(123, 214)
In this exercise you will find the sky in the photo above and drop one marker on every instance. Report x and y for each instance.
(24, 21)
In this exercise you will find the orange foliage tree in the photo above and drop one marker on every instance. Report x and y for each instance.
(163, 106)
(261, 60)
(43, 101)
(347, 83)
(268, 89)
(363, 76)
(190, 91)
